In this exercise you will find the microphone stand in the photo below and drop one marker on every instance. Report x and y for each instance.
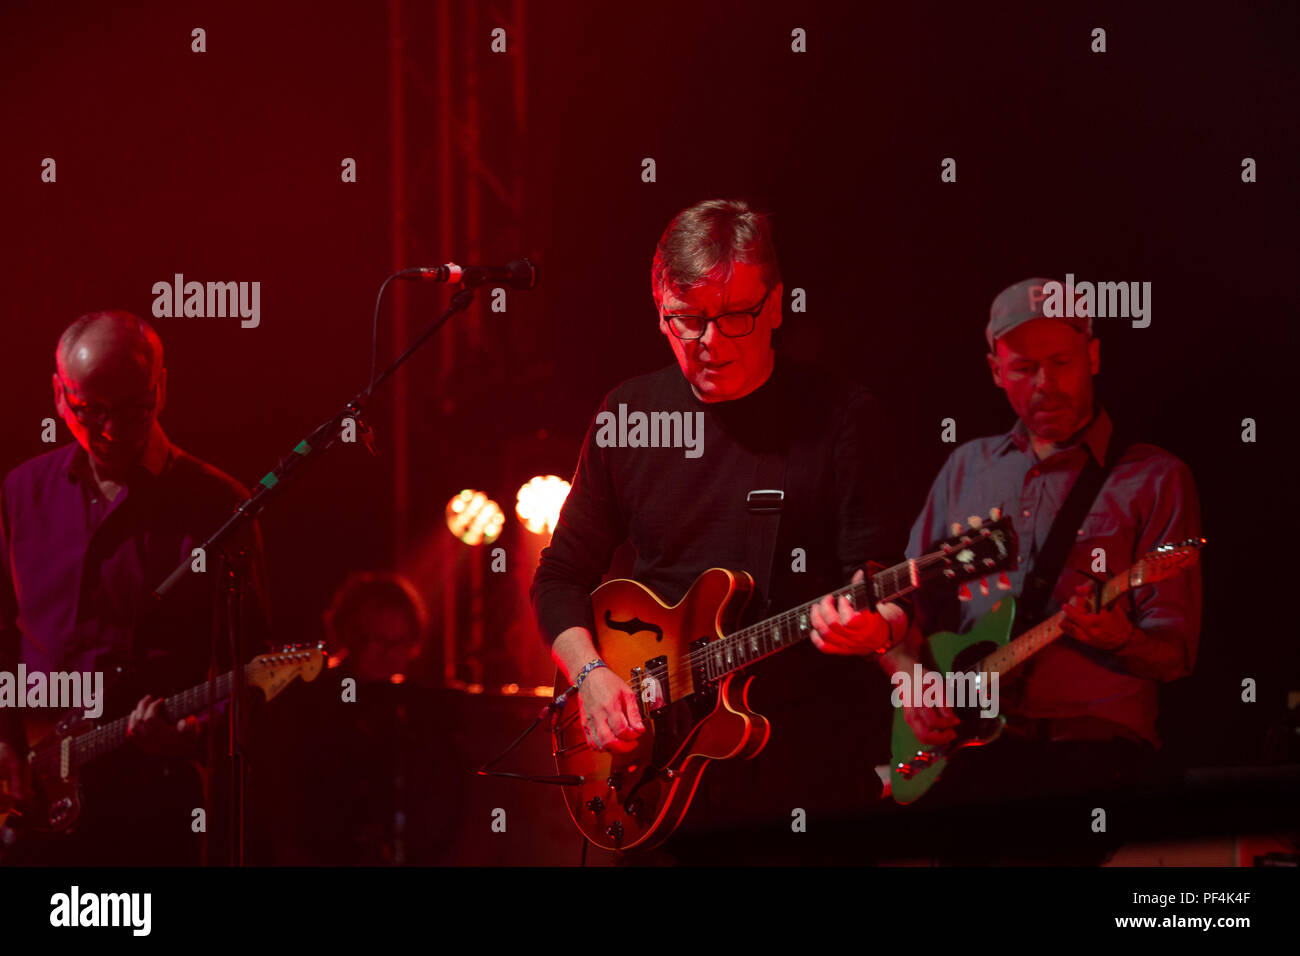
(322, 438)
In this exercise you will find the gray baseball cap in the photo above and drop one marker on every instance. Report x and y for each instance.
(1023, 302)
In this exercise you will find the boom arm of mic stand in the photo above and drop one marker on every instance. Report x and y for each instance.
(308, 449)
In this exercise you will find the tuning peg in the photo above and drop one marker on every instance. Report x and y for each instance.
(963, 593)
(975, 521)
(995, 514)
(956, 528)
(1004, 582)
(984, 586)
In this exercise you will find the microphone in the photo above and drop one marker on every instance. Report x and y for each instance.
(520, 274)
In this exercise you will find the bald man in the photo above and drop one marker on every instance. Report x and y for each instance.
(87, 531)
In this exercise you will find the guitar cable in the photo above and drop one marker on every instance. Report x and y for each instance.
(564, 780)
(551, 710)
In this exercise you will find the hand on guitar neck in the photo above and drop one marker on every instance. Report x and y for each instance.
(156, 734)
(842, 630)
(611, 718)
(1108, 629)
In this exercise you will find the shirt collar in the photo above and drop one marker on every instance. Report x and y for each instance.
(1095, 436)
(158, 455)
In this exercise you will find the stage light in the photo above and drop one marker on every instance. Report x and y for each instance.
(539, 501)
(475, 518)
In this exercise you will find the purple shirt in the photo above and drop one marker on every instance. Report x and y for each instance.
(1149, 499)
(77, 572)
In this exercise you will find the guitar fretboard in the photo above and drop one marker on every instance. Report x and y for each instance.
(103, 740)
(1014, 653)
(760, 640)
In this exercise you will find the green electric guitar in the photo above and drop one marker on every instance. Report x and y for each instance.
(987, 649)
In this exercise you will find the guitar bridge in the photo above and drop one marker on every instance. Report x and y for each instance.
(920, 760)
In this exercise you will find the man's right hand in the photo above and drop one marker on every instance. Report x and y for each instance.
(932, 725)
(611, 719)
(13, 777)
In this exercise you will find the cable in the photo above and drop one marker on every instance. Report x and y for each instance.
(374, 335)
(560, 780)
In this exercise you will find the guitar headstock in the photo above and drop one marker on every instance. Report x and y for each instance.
(274, 671)
(979, 549)
(1165, 561)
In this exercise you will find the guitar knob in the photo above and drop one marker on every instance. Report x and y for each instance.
(615, 832)
(614, 781)
(634, 807)
(596, 805)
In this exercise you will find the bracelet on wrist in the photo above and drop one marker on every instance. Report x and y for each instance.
(582, 674)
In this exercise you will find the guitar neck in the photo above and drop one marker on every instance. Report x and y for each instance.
(753, 643)
(103, 740)
(1014, 653)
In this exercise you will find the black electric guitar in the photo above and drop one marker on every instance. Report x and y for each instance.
(685, 663)
(65, 745)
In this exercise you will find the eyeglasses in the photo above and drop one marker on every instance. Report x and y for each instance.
(94, 414)
(733, 325)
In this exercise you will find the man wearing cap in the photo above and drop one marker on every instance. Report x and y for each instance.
(1082, 712)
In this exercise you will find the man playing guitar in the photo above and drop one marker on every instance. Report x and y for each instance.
(1082, 712)
(86, 532)
(718, 291)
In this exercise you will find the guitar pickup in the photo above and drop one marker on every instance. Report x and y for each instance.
(653, 680)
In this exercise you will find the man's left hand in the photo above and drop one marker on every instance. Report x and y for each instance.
(149, 728)
(842, 630)
(1109, 630)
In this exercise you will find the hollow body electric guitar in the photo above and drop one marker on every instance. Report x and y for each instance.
(64, 746)
(987, 649)
(685, 663)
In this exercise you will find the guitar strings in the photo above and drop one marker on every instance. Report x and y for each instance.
(681, 678)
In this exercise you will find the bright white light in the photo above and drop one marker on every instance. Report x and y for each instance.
(539, 501)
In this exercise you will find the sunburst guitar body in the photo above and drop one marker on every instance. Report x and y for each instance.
(685, 663)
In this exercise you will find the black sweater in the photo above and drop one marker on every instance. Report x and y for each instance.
(685, 514)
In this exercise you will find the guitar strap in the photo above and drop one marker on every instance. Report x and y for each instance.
(1041, 579)
(765, 502)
